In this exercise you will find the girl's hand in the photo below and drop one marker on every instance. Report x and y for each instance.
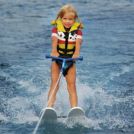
(54, 53)
(75, 55)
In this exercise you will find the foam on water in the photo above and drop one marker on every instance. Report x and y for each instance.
(28, 85)
(20, 109)
(124, 69)
(93, 101)
(3, 117)
(96, 102)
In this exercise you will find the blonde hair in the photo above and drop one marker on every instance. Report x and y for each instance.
(67, 8)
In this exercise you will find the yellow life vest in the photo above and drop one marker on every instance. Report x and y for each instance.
(66, 39)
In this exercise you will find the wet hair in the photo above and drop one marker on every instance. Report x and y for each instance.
(67, 8)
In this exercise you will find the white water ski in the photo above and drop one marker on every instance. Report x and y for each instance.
(49, 114)
(76, 112)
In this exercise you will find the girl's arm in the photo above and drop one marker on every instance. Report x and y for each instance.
(77, 48)
(54, 46)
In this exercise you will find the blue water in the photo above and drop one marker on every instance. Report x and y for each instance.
(105, 79)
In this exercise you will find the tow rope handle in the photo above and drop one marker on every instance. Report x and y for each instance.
(64, 59)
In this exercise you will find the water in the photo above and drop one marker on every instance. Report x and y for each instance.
(105, 79)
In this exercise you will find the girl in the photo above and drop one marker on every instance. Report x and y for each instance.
(66, 42)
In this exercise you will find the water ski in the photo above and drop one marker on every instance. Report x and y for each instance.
(76, 112)
(48, 115)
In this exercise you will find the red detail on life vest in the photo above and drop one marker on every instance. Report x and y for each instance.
(54, 30)
(63, 42)
(79, 32)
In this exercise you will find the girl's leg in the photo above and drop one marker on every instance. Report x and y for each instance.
(54, 77)
(71, 85)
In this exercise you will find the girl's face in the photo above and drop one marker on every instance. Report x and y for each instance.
(68, 19)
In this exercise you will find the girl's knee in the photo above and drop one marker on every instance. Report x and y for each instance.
(71, 84)
(73, 94)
